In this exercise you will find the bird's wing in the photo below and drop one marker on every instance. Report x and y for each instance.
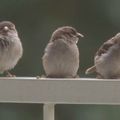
(106, 46)
(103, 49)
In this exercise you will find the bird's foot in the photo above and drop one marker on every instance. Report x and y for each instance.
(8, 74)
(42, 76)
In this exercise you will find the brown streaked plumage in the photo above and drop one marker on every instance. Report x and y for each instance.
(107, 59)
(61, 56)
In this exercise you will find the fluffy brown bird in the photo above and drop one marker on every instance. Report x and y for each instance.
(10, 46)
(107, 59)
(61, 56)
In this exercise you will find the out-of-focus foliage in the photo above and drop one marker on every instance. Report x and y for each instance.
(35, 21)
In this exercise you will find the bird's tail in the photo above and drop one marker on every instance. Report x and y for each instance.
(90, 70)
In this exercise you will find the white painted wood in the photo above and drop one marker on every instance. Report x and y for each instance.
(48, 112)
(59, 91)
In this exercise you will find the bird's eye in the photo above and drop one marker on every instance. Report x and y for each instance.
(73, 32)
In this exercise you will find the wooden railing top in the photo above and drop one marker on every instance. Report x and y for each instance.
(60, 91)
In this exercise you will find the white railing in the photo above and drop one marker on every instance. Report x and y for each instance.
(59, 91)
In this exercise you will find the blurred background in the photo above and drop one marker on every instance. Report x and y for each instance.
(35, 20)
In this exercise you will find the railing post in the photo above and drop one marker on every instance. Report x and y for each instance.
(48, 112)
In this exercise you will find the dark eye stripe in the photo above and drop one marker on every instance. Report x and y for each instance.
(73, 32)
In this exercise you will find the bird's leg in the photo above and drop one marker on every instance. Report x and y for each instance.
(8, 74)
(42, 76)
(77, 76)
(99, 76)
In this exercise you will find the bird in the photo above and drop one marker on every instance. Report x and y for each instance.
(107, 60)
(11, 49)
(61, 55)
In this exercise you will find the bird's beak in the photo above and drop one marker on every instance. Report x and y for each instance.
(80, 35)
(6, 28)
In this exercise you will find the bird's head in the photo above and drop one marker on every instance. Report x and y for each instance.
(66, 33)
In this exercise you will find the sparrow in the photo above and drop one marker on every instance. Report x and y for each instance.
(107, 60)
(11, 49)
(61, 55)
